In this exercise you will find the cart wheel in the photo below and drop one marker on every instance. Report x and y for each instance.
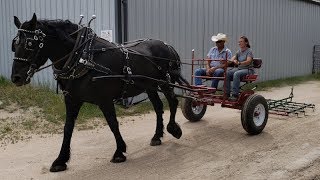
(254, 114)
(192, 111)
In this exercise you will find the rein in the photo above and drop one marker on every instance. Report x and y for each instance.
(155, 57)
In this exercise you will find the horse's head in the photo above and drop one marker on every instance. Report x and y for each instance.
(27, 47)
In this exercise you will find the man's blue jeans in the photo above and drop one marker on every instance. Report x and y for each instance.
(202, 72)
(235, 75)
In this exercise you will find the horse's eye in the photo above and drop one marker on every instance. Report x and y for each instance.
(17, 40)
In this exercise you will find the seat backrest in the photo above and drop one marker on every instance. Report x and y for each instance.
(257, 62)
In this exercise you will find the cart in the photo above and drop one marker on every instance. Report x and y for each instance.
(254, 107)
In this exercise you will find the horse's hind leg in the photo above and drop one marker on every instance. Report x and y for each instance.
(109, 113)
(72, 111)
(172, 127)
(158, 108)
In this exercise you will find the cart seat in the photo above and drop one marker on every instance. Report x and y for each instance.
(257, 62)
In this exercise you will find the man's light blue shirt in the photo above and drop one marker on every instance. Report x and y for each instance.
(215, 54)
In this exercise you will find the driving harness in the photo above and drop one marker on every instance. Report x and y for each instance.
(80, 60)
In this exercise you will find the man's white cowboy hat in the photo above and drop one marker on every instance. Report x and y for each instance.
(219, 37)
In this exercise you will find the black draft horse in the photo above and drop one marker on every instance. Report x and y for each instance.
(78, 56)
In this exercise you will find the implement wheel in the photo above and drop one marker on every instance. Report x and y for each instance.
(254, 114)
(192, 110)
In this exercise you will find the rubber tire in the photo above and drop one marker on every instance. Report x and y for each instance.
(247, 114)
(188, 113)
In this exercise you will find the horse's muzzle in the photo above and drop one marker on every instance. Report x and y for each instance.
(18, 80)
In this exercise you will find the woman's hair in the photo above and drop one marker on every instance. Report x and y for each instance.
(246, 40)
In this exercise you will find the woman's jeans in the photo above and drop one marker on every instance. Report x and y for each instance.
(202, 72)
(236, 75)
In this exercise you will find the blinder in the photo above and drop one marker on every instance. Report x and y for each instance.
(15, 40)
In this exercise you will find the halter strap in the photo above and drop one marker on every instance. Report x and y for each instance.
(20, 59)
(37, 32)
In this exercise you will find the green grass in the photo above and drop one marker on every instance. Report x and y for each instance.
(284, 82)
(29, 125)
(5, 130)
(28, 96)
(52, 104)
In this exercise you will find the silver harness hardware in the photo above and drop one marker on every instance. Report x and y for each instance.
(29, 45)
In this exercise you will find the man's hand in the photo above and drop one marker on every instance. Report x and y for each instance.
(210, 71)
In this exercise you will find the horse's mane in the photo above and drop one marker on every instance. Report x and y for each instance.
(61, 28)
(58, 24)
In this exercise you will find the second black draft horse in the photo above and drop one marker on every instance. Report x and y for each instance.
(78, 56)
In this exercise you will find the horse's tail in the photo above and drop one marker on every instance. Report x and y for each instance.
(176, 73)
(178, 78)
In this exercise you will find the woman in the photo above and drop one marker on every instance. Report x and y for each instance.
(244, 60)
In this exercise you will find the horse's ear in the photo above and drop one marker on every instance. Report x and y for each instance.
(17, 22)
(33, 21)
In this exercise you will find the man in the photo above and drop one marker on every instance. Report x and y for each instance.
(214, 68)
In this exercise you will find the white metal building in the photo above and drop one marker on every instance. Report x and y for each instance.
(281, 32)
(49, 9)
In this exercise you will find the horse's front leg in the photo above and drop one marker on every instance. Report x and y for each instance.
(158, 108)
(172, 127)
(109, 113)
(72, 111)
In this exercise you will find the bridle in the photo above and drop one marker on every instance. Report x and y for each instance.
(31, 44)
(38, 38)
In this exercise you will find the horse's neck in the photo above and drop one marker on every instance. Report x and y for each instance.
(62, 51)
(59, 54)
(59, 51)
(59, 43)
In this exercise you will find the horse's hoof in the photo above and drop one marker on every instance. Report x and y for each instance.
(174, 130)
(118, 159)
(58, 168)
(155, 142)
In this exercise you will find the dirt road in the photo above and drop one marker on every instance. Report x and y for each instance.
(215, 148)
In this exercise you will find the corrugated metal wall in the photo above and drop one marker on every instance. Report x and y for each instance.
(282, 33)
(49, 9)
